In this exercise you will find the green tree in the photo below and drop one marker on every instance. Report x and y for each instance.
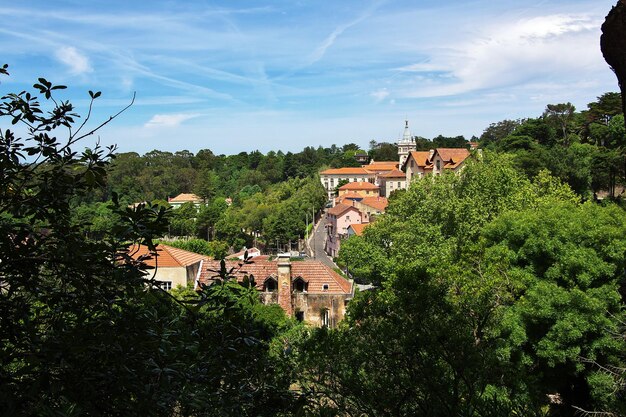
(566, 262)
(561, 116)
(84, 329)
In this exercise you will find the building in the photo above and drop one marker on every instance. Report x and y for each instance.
(417, 165)
(448, 159)
(366, 173)
(171, 267)
(361, 156)
(364, 189)
(183, 198)
(357, 229)
(307, 290)
(252, 253)
(406, 144)
(370, 207)
(391, 181)
(435, 161)
(330, 178)
(338, 219)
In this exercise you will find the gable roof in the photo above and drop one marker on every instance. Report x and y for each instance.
(358, 228)
(185, 198)
(252, 253)
(378, 203)
(351, 195)
(381, 166)
(359, 186)
(341, 208)
(452, 157)
(393, 174)
(346, 171)
(315, 273)
(421, 158)
(167, 256)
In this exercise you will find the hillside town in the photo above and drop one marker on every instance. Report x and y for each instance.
(243, 223)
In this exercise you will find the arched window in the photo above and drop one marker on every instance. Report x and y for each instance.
(299, 285)
(270, 284)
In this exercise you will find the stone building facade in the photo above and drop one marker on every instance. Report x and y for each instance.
(307, 290)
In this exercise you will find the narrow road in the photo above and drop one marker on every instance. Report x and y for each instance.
(316, 243)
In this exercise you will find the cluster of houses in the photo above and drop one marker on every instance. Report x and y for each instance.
(309, 290)
(365, 189)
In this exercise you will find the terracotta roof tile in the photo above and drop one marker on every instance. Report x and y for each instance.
(358, 228)
(349, 195)
(359, 186)
(314, 273)
(340, 208)
(421, 158)
(393, 174)
(185, 198)
(379, 203)
(378, 167)
(345, 171)
(167, 256)
(452, 157)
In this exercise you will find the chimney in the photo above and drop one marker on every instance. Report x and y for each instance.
(430, 154)
(284, 283)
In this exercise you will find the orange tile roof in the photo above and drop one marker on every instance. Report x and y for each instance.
(382, 163)
(359, 186)
(378, 203)
(349, 195)
(358, 228)
(421, 158)
(340, 208)
(185, 198)
(315, 273)
(452, 157)
(345, 171)
(167, 256)
(393, 174)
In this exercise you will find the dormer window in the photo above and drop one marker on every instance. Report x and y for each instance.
(270, 285)
(325, 287)
(299, 285)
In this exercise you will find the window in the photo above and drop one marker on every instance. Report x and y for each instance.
(438, 164)
(300, 315)
(166, 285)
(399, 186)
(299, 285)
(325, 287)
(325, 318)
(270, 285)
(348, 218)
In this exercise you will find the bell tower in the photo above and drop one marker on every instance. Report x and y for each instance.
(406, 144)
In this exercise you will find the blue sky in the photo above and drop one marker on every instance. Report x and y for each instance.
(236, 76)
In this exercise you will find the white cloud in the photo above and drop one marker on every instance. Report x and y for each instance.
(511, 53)
(380, 94)
(168, 120)
(76, 61)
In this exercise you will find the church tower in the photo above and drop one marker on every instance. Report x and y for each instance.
(406, 144)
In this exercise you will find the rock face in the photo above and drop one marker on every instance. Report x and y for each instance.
(613, 44)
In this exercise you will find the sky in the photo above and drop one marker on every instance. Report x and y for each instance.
(235, 76)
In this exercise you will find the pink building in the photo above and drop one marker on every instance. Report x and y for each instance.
(338, 219)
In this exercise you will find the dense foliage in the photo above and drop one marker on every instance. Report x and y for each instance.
(497, 292)
(84, 331)
(584, 149)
